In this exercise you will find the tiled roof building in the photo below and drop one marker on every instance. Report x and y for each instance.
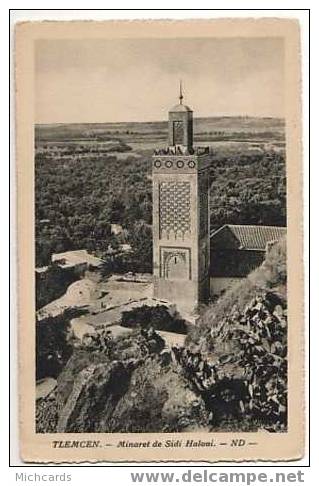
(236, 250)
(247, 237)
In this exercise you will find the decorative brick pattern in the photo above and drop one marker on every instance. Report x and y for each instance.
(173, 163)
(174, 209)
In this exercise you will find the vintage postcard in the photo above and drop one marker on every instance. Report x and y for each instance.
(160, 240)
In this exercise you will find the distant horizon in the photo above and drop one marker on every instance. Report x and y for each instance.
(128, 80)
(159, 121)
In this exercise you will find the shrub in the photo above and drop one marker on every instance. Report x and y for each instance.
(157, 317)
(53, 346)
(52, 284)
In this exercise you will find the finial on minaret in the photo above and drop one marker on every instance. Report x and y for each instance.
(180, 93)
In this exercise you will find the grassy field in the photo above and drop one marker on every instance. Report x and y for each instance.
(214, 128)
(225, 135)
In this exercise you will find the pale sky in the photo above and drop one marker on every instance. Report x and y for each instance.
(122, 80)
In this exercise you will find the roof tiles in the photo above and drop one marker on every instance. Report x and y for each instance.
(253, 237)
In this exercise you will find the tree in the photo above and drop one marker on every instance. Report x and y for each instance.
(117, 210)
(53, 348)
(140, 238)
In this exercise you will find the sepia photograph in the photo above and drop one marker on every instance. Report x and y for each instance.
(160, 211)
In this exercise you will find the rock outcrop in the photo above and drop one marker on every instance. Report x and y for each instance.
(95, 395)
(128, 384)
(245, 376)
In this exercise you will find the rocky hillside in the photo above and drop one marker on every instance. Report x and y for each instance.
(237, 356)
(231, 375)
(124, 384)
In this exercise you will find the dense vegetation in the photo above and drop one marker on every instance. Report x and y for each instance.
(248, 189)
(77, 199)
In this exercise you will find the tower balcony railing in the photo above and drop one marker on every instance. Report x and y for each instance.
(182, 150)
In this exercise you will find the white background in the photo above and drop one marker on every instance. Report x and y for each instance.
(120, 475)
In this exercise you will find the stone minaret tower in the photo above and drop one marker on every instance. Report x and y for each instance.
(181, 215)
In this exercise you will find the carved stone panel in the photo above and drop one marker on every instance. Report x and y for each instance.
(175, 263)
(174, 209)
